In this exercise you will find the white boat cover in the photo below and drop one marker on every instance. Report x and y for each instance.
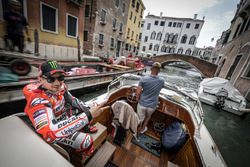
(213, 85)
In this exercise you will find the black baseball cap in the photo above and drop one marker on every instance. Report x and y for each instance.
(50, 67)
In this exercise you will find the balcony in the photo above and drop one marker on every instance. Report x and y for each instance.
(79, 3)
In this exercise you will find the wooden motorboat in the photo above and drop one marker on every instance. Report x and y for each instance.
(198, 149)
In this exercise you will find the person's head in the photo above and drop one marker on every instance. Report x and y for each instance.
(51, 76)
(156, 67)
(15, 5)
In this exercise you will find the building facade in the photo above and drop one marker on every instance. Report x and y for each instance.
(234, 64)
(163, 35)
(55, 27)
(105, 26)
(133, 28)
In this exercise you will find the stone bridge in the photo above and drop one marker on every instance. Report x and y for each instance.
(206, 68)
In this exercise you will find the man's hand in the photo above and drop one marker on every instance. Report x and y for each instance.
(97, 109)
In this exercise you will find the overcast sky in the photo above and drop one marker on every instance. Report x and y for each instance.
(218, 14)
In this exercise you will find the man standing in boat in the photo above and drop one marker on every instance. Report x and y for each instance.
(148, 90)
(55, 114)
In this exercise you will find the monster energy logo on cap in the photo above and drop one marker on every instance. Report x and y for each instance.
(53, 64)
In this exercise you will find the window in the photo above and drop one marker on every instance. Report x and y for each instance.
(135, 19)
(170, 24)
(175, 38)
(114, 23)
(179, 25)
(180, 50)
(156, 47)
(156, 22)
(140, 36)
(247, 72)
(174, 25)
(132, 35)
(188, 52)
(137, 6)
(101, 38)
(128, 32)
(146, 39)
(49, 18)
(188, 25)
(171, 38)
(133, 3)
(72, 26)
(103, 16)
(196, 26)
(126, 46)
(150, 46)
(166, 38)
(172, 50)
(139, 24)
(184, 39)
(159, 35)
(233, 66)
(162, 23)
(153, 34)
(85, 35)
(163, 48)
(141, 12)
(87, 10)
(167, 49)
(148, 26)
(131, 15)
(143, 48)
(192, 40)
(112, 43)
(121, 27)
(117, 3)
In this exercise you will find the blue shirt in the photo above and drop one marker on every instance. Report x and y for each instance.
(151, 86)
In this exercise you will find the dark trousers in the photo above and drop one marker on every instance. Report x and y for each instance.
(14, 40)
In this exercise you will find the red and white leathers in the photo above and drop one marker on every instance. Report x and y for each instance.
(52, 116)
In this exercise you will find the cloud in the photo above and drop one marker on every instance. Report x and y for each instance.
(178, 8)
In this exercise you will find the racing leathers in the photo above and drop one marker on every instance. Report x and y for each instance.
(58, 117)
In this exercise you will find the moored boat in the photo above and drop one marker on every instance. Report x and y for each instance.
(221, 93)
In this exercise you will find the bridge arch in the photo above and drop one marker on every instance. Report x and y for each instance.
(207, 69)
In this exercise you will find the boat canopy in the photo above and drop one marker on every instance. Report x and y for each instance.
(213, 85)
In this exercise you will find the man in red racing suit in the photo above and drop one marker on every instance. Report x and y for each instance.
(55, 113)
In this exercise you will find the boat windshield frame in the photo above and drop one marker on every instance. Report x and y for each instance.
(189, 99)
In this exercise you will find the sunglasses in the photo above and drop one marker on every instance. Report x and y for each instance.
(52, 79)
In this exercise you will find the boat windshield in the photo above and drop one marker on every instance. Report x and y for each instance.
(183, 97)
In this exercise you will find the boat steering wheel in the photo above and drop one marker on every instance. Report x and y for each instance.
(131, 94)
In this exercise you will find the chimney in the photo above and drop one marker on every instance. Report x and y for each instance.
(161, 13)
(195, 16)
(203, 17)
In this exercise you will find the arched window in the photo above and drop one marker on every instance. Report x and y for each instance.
(175, 38)
(184, 39)
(171, 38)
(167, 49)
(153, 34)
(159, 36)
(192, 40)
(156, 47)
(172, 49)
(180, 50)
(150, 46)
(166, 38)
(188, 52)
(163, 48)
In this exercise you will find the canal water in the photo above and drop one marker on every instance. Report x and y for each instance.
(231, 133)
